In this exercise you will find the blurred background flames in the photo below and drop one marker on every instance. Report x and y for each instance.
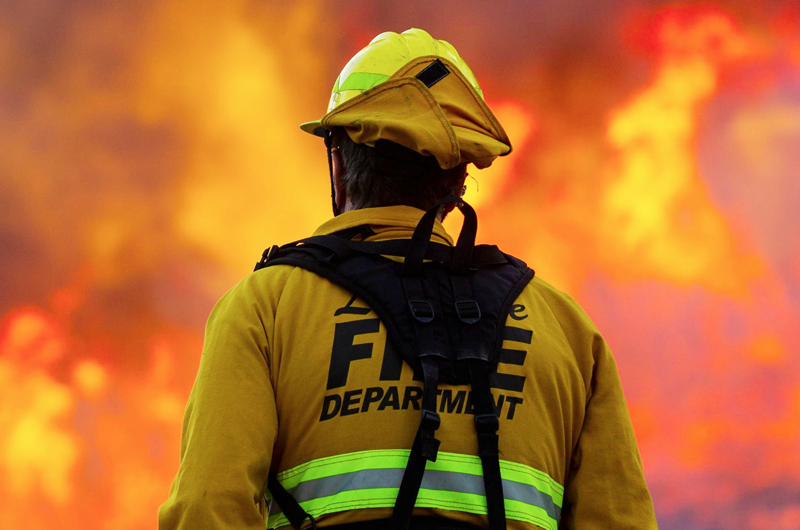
(149, 151)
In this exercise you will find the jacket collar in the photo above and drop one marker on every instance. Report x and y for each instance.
(388, 222)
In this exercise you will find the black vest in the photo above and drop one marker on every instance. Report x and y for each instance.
(444, 309)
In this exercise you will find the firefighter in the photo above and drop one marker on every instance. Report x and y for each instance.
(380, 375)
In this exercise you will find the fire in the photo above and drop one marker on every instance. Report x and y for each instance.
(150, 153)
(490, 183)
(236, 98)
(657, 212)
(91, 379)
(39, 451)
(31, 337)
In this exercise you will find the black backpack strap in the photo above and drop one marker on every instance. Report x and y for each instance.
(420, 240)
(361, 230)
(462, 257)
(426, 447)
(487, 424)
(289, 505)
(481, 256)
(467, 309)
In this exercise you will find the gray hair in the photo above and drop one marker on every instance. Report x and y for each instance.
(389, 174)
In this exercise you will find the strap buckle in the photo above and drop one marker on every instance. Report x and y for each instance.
(422, 310)
(267, 255)
(429, 444)
(430, 447)
(430, 420)
(487, 423)
(469, 312)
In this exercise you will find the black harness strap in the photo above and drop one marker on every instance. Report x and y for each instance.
(364, 231)
(291, 508)
(462, 256)
(425, 447)
(487, 425)
(482, 255)
(421, 238)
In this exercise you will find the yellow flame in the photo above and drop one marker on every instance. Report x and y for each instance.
(37, 451)
(91, 379)
(659, 220)
(238, 100)
(31, 336)
(518, 123)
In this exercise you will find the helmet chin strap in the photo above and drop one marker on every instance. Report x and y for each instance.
(328, 145)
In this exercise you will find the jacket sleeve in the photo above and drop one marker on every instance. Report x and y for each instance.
(605, 485)
(229, 426)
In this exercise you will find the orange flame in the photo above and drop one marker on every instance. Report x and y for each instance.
(133, 138)
(39, 451)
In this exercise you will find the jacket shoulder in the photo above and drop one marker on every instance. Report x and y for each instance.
(257, 289)
(572, 323)
(565, 309)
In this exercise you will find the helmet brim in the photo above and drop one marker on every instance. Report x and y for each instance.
(315, 128)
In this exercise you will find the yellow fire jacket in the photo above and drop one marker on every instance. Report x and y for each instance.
(295, 379)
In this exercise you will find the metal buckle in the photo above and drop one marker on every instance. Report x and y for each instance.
(422, 310)
(469, 312)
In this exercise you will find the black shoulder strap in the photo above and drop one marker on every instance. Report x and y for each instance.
(289, 505)
(487, 424)
(486, 421)
(426, 445)
(425, 448)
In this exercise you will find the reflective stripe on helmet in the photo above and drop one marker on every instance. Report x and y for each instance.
(361, 81)
(371, 479)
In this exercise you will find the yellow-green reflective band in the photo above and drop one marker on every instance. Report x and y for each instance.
(370, 479)
(361, 81)
(398, 458)
(442, 500)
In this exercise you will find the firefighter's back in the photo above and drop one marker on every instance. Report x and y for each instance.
(348, 406)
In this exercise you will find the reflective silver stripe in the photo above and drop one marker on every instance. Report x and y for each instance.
(433, 480)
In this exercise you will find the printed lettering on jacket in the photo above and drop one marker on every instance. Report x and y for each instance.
(351, 345)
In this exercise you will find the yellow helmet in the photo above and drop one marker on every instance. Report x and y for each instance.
(400, 88)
